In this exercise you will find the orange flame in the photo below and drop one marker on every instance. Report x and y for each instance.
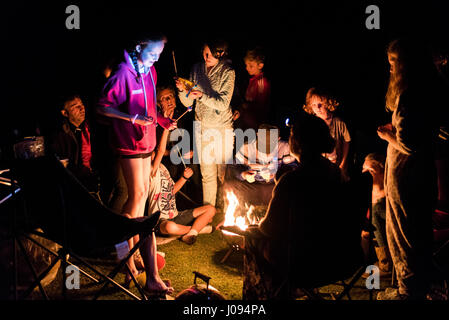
(231, 219)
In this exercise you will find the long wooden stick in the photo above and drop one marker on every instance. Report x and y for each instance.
(182, 115)
(182, 159)
(174, 62)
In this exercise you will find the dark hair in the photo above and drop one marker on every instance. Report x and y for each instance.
(377, 157)
(310, 135)
(218, 47)
(257, 54)
(143, 41)
(162, 88)
(64, 98)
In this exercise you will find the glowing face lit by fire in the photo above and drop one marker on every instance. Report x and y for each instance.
(168, 102)
(253, 67)
(319, 107)
(150, 54)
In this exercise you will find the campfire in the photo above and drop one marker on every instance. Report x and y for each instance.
(235, 218)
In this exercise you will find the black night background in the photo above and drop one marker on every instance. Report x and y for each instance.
(309, 42)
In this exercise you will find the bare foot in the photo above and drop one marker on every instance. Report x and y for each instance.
(157, 286)
(138, 262)
(128, 278)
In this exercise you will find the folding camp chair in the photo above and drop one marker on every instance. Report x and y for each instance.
(54, 200)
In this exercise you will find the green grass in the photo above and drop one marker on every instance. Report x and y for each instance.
(181, 260)
(204, 256)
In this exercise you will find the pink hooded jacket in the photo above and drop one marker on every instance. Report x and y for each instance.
(126, 93)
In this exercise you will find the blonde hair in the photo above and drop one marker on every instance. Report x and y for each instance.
(377, 158)
(414, 67)
(396, 85)
(331, 103)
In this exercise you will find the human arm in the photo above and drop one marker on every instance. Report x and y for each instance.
(248, 175)
(114, 95)
(187, 101)
(412, 127)
(344, 156)
(160, 152)
(116, 114)
(389, 134)
(274, 222)
(166, 123)
(219, 98)
(188, 172)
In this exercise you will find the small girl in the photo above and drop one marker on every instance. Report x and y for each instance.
(322, 105)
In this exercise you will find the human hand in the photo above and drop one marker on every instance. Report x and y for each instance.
(173, 126)
(144, 121)
(65, 162)
(388, 127)
(266, 175)
(249, 175)
(180, 85)
(188, 155)
(371, 167)
(385, 132)
(219, 225)
(188, 172)
(195, 94)
(235, 115)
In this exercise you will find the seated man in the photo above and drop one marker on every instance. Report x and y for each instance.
(188, 223)
(72, 142)
(252, 176)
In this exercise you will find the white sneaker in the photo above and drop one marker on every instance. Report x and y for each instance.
(206, 229)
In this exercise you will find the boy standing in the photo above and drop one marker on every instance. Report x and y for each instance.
(257, 96)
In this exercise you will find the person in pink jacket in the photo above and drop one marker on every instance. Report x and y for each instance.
(129, 101)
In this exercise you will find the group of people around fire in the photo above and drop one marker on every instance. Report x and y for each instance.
(124, 156)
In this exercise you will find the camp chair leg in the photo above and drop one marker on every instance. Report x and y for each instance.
(351, 284)
(82, 261)
(30, 265)
(228, 253)
(57, 255)
(344, 286)
(312, 295)
(114, 272)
